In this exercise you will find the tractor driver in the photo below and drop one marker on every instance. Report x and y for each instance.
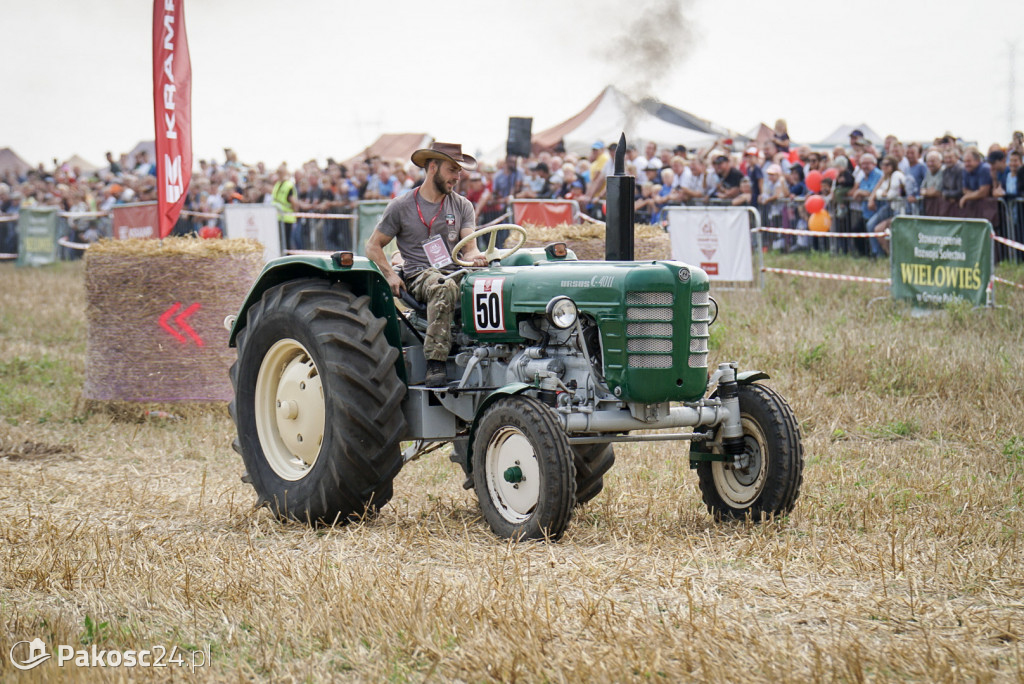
(427, 223)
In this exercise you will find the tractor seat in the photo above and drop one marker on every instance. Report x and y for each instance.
(414, 304)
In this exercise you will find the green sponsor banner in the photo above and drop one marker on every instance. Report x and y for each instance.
(37, 236)
(937, 261)
(368, 213)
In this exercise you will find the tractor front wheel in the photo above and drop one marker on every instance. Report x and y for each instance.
(523, 470)
(765, 480)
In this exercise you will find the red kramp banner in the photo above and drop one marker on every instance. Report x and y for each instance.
(172, 106)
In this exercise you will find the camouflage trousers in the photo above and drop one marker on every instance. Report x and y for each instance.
(441, 298)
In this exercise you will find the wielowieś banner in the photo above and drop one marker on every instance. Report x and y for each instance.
(37, 236)
(938, 261)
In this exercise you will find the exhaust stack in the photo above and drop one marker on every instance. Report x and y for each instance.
(618, 238)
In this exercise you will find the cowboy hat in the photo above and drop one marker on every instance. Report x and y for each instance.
(445, 151)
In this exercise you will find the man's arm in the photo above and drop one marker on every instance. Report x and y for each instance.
(375, 252)
(469, 252)
(725, 192)
(981, 193)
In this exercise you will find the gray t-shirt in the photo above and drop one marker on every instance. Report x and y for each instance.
(401, 220)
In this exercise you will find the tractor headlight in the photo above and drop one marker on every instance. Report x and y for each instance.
(562, 312)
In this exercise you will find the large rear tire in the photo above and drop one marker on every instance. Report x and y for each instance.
(767, 483)
(523, 470)
(317, 403)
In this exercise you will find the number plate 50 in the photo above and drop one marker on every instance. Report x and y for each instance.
(489, 304)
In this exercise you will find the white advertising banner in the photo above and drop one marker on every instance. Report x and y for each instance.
(256, 221)
(717, 240)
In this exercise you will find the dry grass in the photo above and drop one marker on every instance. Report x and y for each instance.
(903, 558)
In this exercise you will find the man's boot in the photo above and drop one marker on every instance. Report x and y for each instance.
(437, 374)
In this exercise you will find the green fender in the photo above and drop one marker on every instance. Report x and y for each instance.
(363, 277)
(509, 390)
(751, 376)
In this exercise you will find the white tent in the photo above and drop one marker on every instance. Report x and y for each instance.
(392, 146)
(841, 136)
(613, 113)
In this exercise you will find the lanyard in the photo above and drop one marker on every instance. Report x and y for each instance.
(416, 199)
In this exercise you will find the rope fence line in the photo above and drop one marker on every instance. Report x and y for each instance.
(310, 215)
(826, 276)
(820, 234)
(64, 242)
(1004, 281)
(1009, 243)
(199, 214)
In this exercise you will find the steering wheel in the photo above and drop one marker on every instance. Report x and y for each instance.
(492, 252)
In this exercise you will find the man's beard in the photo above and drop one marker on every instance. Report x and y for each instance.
(441, 186)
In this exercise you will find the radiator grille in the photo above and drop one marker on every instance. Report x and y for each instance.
(700, 317)
(650, 338)
(650, 298)
(636, 313)
(646, 344)
(650, 361)
(649, 329)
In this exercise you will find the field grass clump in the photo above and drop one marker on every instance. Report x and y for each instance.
(903, 559)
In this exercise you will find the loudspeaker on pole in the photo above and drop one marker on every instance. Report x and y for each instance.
(519, 136)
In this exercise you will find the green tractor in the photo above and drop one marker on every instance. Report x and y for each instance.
(554, 361)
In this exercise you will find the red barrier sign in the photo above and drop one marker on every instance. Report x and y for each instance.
(134, 221)
(548, 214)
(179, 320)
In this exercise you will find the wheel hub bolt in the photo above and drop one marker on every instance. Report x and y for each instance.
(514, 475)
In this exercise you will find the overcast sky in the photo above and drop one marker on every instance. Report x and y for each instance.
(316, 78)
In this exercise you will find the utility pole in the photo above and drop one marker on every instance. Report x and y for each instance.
(1011, 94)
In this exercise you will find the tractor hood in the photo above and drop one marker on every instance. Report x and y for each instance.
(652, 316)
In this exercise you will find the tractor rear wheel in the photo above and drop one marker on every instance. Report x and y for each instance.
(765, 480)
(523, 470)
(592, 462)
(317, 403)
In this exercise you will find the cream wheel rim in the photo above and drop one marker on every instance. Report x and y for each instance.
(510, 451)
(739, 488)
(290, 411)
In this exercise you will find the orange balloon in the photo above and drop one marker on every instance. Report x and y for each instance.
(820, 222)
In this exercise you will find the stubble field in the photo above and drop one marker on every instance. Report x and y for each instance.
(903, 560)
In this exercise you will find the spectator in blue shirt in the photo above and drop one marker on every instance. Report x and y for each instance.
(915, 169)
(977, 176)
(868, 177)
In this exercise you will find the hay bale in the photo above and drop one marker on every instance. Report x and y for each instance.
(193, 284)
(587, 240)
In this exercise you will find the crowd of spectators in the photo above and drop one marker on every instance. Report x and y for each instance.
(864, 184)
